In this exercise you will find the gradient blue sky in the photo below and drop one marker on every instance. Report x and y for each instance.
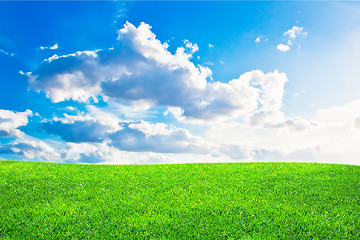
(128, 96)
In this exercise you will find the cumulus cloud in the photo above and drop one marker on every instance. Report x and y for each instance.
(257, 39)
(283, 47)
(73, 76)
(294, 32)
(81, 128)
(55, 46)
(138, 143)
(192, 48)
(23, 145)
(242, 96)
(159, 137)
(95, 139)
(138, 136)
(139, 75)
(141, 68)
(30, 149)
(269, 114)
(211, 46)
(10, 122)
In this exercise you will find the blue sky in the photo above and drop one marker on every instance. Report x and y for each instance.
(172, 82)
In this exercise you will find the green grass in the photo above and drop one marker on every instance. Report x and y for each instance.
(188, 201)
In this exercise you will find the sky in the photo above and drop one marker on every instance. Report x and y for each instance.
(140, 82)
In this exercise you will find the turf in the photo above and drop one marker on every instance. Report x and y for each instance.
(186, 201)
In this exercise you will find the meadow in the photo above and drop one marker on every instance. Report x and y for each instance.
(181, 201)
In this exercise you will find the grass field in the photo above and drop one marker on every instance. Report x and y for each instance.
(187, 201)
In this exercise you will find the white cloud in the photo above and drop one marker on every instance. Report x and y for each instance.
(294, 32)
(53, 47)
(136, 110)
(140, 77)
(268, 113)
(23, 145)
(272, 89)
(105, 154)
(83, 127)
(235, 151)
(261, 38)
(31, 149)
(211, 46)
(10, 122)
(339, 115)
(70, 108)
(140, 68)
(332, 136)
(138, 136)
(147, 137)
(283, 47)
(240, 96)
(138, 60)
(192, 48)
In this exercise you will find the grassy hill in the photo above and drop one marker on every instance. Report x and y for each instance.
(187, 201)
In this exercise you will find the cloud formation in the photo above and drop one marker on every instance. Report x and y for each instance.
(283, 47)
(10, 122)
(31, 149)
(291, 34)
(159, 137)
(294, 32)
(141, 68)
(140, 78)
(81, 128)
(138, 136)
(54, 47)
